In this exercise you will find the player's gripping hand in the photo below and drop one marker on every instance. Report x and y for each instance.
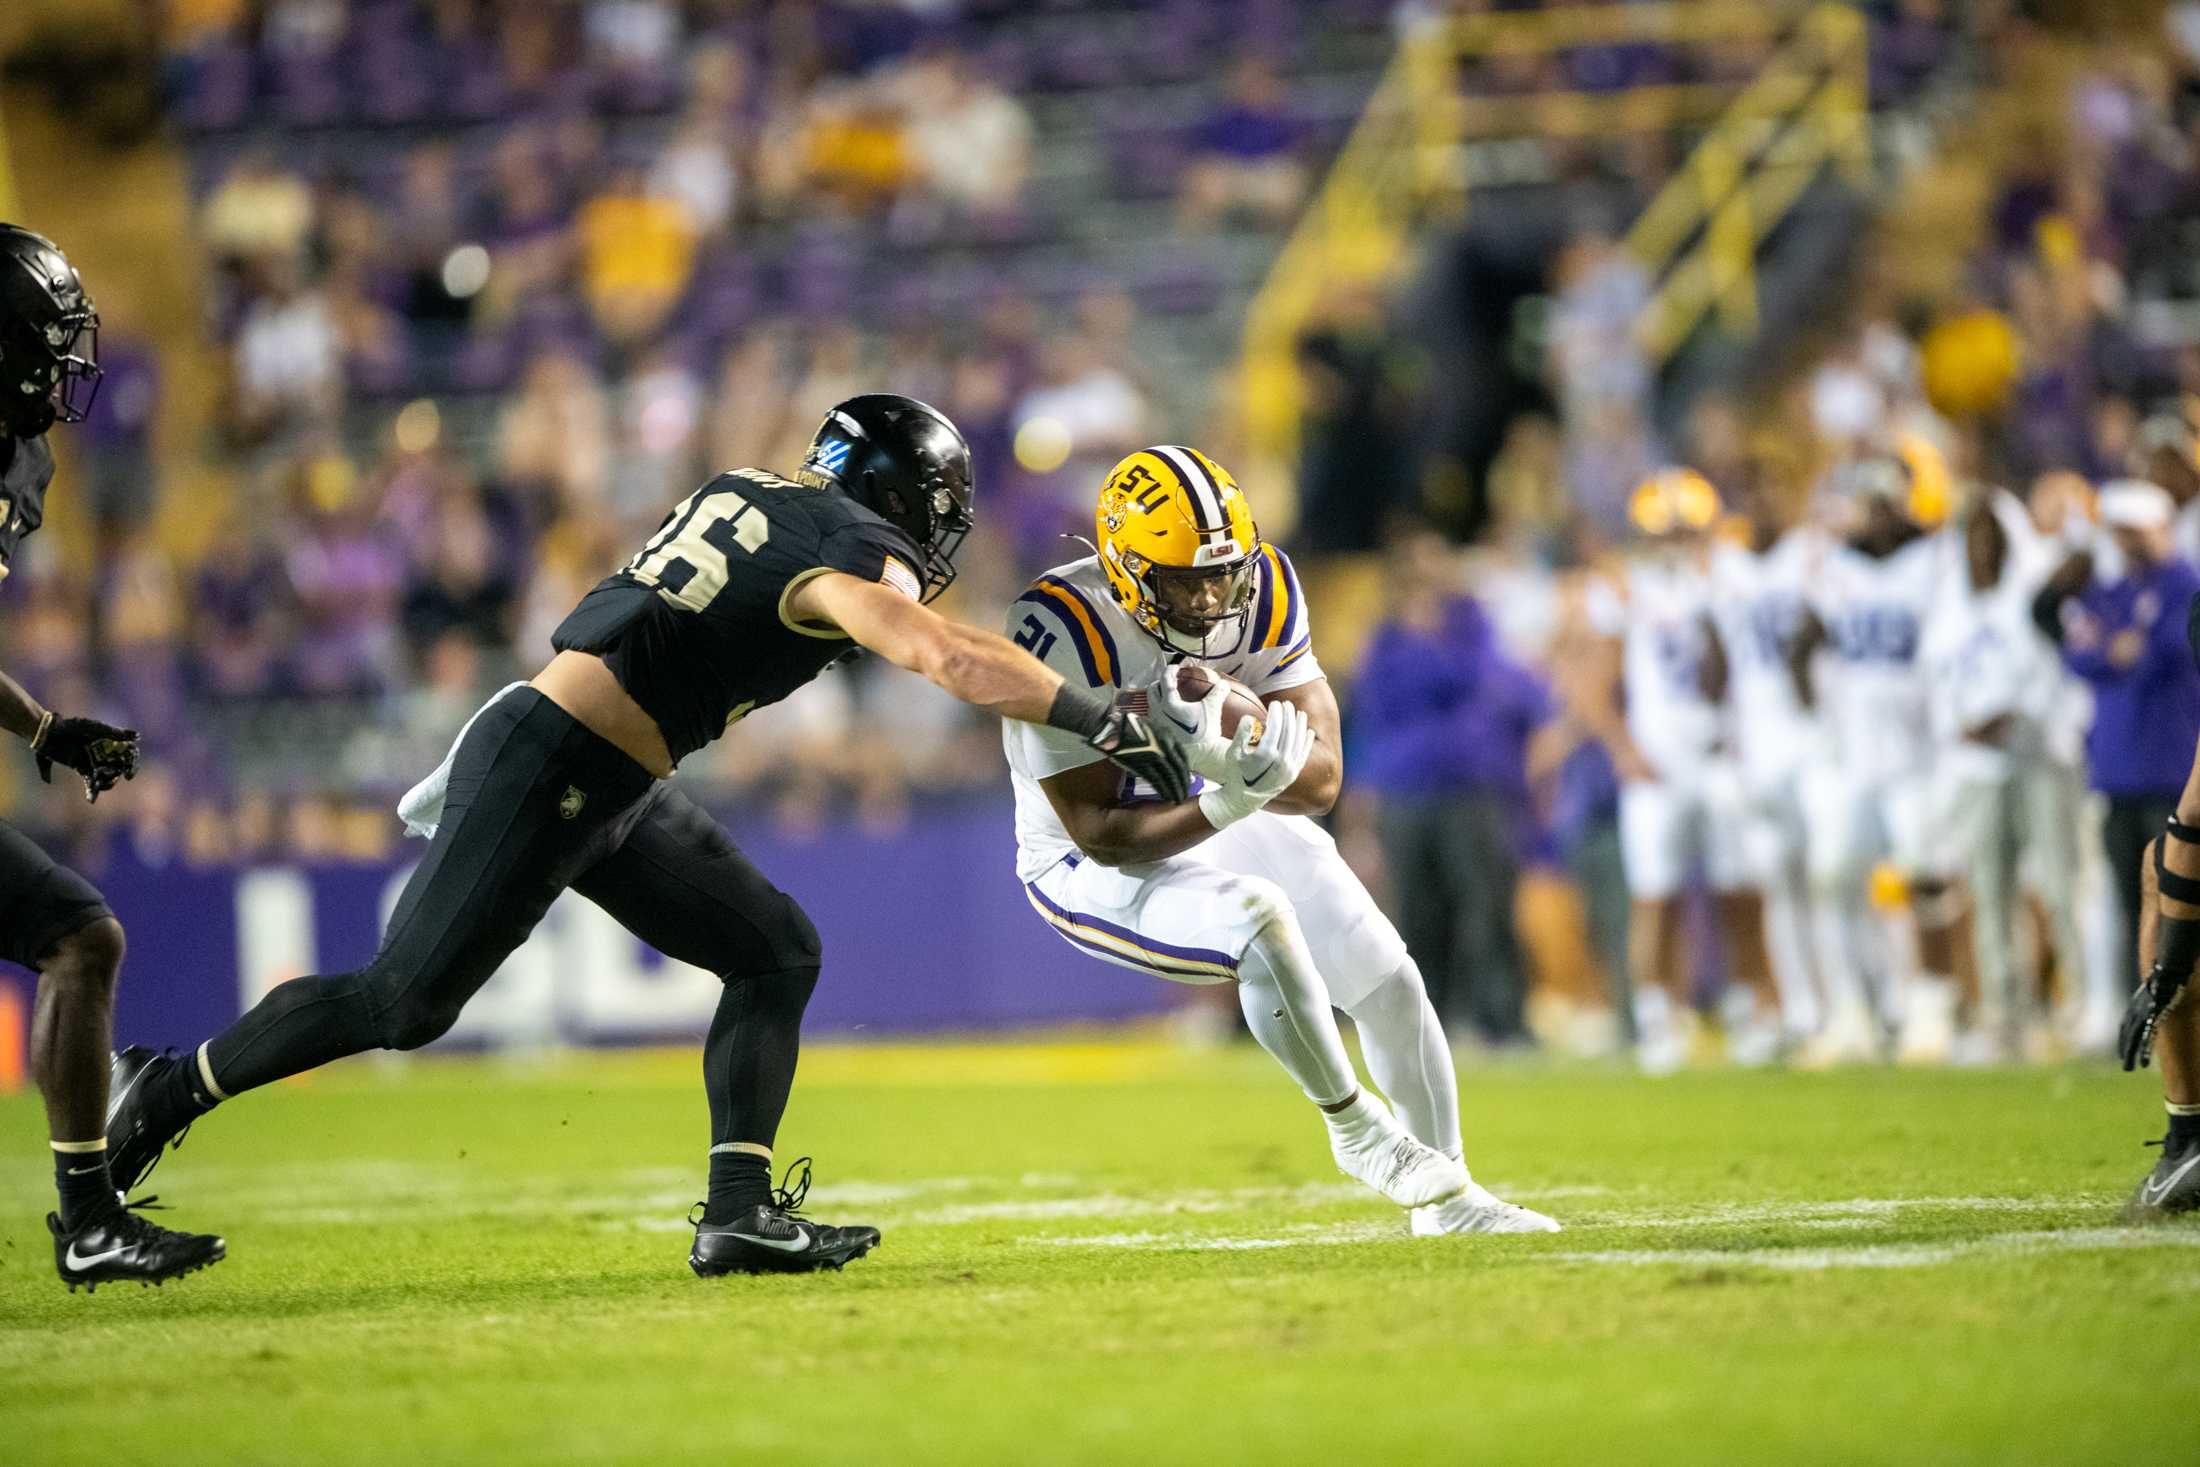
(1156, 755)
(1253, 774)
(2156, 995)
(103, 754)
(1119, 728)
(1199, 721)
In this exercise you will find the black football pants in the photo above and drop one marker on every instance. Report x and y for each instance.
(537, 804)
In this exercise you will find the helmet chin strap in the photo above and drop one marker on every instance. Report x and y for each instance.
(1201, 645)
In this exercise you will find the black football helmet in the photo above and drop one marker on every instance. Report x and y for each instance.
(49, 336)
(904, 461)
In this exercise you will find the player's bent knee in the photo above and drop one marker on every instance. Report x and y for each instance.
(801, 941)
(1256, 902)
(414, 1026)
(92, 952)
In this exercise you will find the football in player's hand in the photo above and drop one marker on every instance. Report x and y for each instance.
(1192, 683)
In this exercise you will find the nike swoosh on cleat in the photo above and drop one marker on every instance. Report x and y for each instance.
(77, 1260)
(2150, 1194)
(783, 1245)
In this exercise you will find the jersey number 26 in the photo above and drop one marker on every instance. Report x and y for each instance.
(686, 561)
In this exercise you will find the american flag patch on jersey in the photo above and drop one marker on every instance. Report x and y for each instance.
(899, 577)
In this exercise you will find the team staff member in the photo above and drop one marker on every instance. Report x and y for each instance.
(2124, 636)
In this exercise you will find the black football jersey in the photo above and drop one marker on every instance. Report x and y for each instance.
(25, 471)
(696, 627)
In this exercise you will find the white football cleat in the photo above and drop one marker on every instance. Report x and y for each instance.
(1849, 1038)
(1370, 1146)
(1477, 1210)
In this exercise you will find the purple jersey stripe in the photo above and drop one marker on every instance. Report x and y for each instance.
(1085, 919)
(1099, 622)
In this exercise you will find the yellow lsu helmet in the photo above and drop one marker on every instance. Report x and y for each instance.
(1672, 501)
(1179, 547)
(1911, 474)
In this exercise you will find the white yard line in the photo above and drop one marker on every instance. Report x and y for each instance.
(1896, 1255)
(1867, 1256)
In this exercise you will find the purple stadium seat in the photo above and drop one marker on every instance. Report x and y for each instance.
(214, 87)
(307, 91)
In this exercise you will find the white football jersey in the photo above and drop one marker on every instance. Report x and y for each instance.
(1071, 621)
(1984, 659)
(1875, 696)
(1668, 604)
(1758, 603)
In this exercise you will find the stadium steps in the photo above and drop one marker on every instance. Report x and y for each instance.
(131, 236)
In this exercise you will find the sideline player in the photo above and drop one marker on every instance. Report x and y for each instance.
(52, 920)
(749, 589)
(2162, 1021)
(1680, 805)
(1237, 886)
(1760, 586)
(1872, 801)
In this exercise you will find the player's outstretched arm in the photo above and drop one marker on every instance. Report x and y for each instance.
(103, 754)
(20, 713)
(984, 670)
(990, 672)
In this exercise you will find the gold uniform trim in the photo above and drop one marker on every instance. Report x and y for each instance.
(824, 631)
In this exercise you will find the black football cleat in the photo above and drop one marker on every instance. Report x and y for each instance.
(120, 1246)
(2172, 1189)
(773, 1238)
(135, 1138)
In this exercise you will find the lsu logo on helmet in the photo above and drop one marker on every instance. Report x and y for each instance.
(1178, 544)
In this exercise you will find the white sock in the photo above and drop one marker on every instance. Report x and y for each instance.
(1836, 922)
(1787, 943)
(1409, 1059)
(1287, 1007)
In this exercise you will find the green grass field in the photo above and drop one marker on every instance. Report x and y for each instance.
(1119, 1252)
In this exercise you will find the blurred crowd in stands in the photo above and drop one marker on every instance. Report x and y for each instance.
(494, 283)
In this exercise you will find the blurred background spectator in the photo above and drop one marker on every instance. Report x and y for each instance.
(1442, 719)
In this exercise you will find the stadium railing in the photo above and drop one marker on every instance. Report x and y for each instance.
(1407, 164)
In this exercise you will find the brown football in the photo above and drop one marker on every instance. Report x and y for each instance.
(1192, 683)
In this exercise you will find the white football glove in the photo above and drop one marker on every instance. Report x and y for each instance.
(1200, 723)
(1254, 774)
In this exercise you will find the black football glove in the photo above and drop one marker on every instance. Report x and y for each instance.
(1134, 745)
(103, 754)
(2155, 996)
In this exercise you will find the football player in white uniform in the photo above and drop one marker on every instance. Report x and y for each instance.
(1681, 796)
(1872, 803)
(1994, 679)
(1761, 586)
(1237, 885)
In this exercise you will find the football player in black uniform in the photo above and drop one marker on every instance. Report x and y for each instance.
(749, 589)
(2162, 1021)
(51, 919)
